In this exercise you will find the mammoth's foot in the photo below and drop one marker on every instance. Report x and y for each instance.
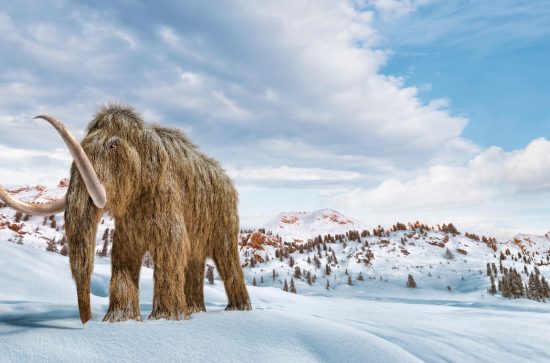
(175, 311)
(239, 306)
(117, 315)
(168, 314)
(195, 308)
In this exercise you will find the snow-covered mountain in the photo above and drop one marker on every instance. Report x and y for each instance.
(301, 226)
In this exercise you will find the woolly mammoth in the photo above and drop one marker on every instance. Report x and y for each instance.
(166, 197)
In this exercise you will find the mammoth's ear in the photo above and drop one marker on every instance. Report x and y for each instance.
(155, 157)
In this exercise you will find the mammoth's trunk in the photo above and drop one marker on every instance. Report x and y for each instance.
(81, 220)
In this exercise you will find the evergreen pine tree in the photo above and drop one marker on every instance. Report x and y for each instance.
(285, 286)
(517, 284)
(105, 249)
(292, 287)
(410, 282)
(297, 272)
(545, 289)
(210, 274)
(533, 287)
(327, 269)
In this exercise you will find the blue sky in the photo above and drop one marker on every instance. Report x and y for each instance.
(388, 110)
(489, 58)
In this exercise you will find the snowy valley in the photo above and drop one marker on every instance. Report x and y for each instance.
(351, 300)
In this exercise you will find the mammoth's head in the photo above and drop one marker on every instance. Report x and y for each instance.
(116, 144)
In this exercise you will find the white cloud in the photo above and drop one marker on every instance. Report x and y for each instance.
(289, 174)
(529, 169)
(491, 173)
(282, 91)
(24, 166)
(8, 154)
(306, 70)
(494, 177)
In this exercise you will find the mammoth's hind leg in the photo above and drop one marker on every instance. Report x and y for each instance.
(194, 280)
(226, 257)
(126, 261)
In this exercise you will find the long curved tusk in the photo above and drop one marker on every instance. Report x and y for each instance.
(93, 185)
(39, 209)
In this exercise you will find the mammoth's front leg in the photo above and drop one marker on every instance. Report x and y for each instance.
(170, 259)
(126, 258)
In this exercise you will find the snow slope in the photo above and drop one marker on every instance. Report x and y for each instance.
(39, 322)
(376, 318)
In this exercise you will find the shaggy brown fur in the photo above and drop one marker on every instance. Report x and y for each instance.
(167, 198)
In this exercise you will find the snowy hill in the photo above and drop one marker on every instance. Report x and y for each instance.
(351, 303)
(439, 261)
(439, 258)
(39, 322)
(301, 226)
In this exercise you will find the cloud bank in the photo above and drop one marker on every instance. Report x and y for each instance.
(287, 94)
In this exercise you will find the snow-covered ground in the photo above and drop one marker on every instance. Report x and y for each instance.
(39, 322)
(449, 317)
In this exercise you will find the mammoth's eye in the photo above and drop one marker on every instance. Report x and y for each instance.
(113, 144)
